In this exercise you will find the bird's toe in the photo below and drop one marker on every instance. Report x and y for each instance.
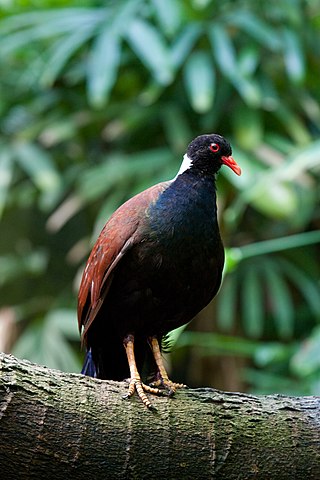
(168, 385)
(136, 385)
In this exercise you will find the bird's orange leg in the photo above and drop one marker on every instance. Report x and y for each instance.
(164, 379)
(135, 383)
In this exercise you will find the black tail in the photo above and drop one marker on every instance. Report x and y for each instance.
(89, 368)
(109, 361)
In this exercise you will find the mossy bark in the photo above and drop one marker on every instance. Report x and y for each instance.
(55, 425)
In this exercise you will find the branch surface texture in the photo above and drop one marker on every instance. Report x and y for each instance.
(55, 425)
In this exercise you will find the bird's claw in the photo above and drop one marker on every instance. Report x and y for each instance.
(136, 385)
(168, 385)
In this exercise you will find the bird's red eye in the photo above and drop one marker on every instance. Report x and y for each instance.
(214, 147)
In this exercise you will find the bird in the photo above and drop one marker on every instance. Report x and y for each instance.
(157, 262)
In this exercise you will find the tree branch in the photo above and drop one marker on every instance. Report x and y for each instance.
(56, 425)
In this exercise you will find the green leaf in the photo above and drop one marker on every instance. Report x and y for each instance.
(44, 341)
(280, 300)
(184, 43)
(266, 383)
(119, 170)
(279, 244)
(149, 46)
(299, 161)
(30, 264)
(98, 180)
(248, 60)
(174, 335)
(223, 51)
(65, 321)
(248, 89)
(44, 25)
(29, 344)
(175, 122)
(233, 257)
(169, 14)
(61, 51)
(248, 127)
(68, 17)
(272, 353)
(252, 309)
(58, 131)
(6, 173)
(227, 303)
(103, 67)
(273, 198)
(200, 81)
(308, 288)
(293, 124)
(293, 55)
(267, 35)
(225, 55)
(39, 166)
(214, 344)
(307, 359)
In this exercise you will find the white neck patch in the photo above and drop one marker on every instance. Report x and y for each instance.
(185, 165)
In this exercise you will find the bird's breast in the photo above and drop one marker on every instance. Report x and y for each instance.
(185, 215)
(175, 269)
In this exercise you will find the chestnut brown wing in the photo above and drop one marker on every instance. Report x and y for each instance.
(119, 234)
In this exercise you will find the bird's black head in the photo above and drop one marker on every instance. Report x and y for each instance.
(207, 153)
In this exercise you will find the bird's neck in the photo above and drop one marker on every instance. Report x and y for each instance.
(185, 210)
(189, 169)
(185, 165)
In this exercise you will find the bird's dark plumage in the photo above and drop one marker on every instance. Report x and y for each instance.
(157, 262)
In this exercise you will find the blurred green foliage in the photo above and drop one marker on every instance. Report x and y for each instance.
(99, 100)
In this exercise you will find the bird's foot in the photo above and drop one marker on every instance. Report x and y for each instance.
(136, 385)
(168, 385)
(162, 379)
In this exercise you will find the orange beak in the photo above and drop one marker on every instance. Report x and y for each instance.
(231, 163)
